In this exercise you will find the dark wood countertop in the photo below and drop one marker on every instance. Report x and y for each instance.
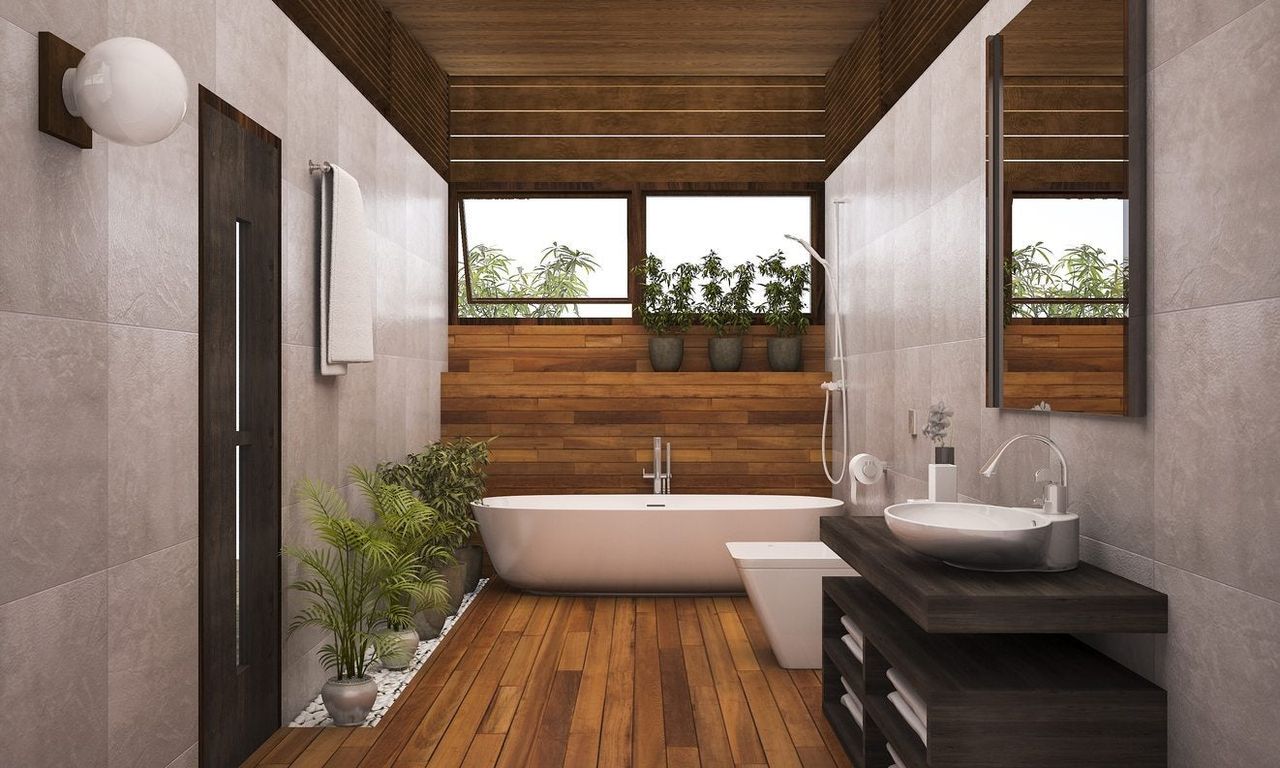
(944, 599)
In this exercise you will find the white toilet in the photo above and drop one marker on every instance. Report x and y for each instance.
(784, 582)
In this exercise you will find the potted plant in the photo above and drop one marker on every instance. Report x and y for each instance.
(783, 309)
(726, 310)
(666, 310)
(448, 476)
(353, 580)
(416, 531)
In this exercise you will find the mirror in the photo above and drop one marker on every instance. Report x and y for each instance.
(1066, 208)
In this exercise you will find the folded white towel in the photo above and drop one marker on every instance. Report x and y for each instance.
(854, 706)
(854, 631)
(893, 755)
(346, 275)
(900, 704)
(847, 688)
(909, 693)
(854, 647)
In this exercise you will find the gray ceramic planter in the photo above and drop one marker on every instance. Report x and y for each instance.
(666, 353)
(406, 646)
(349, 701)
(469, 557)
(725, 352)
(785, 353)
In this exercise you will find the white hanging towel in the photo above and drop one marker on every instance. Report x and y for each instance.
(346, 275)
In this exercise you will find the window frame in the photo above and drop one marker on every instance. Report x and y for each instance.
(636, 195)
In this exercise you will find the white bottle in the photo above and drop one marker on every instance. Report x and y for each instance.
(942, 482)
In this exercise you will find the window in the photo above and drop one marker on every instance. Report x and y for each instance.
(570, 255)
(1068, 258)
(543, 257)
(738, 228)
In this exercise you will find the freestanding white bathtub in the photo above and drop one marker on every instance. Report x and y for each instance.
(636, 543)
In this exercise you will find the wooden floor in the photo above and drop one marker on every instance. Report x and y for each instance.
(589, 681)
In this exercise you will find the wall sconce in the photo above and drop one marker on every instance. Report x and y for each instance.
(127, 89)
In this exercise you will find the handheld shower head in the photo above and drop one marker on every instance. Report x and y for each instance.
(816, 256)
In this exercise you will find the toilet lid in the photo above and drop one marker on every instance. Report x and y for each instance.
(783, 554)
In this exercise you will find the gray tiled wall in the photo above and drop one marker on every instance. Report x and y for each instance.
(98, 320)
(1186, 499)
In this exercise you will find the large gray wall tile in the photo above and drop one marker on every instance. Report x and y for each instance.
(252, 60)
(154, 249)
(1114, 503)
(53, 435)
(153, 658)
(53, 256)
(1216, 423)
(1221, 666)
(152, 440)
(1175, 25)
(53, 693)
(1216, 173)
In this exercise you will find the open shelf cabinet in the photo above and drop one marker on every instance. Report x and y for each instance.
(993, 701)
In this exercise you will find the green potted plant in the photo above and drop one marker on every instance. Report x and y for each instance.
(416, 531)
(783, 309)
(726, 309)
(666, 310)
(448, 476)
(353, 581)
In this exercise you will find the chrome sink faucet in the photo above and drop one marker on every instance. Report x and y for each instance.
(661, 479)
(1055, 495)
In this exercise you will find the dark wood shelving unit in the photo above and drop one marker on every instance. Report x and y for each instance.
(942, 598)
(993, 699)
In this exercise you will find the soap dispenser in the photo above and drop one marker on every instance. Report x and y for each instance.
(942, 471)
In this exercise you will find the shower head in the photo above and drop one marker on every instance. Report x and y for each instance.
(816, 257)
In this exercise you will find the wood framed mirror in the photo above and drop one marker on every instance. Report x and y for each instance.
(1066, 208)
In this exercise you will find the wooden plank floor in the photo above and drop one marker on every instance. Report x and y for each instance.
(633, 682)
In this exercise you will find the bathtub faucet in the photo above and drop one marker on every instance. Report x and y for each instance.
(661, 480)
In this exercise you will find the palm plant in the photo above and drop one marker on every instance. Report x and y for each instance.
(1083, 272)
(559, 274)
(417, 532)
(352, 581)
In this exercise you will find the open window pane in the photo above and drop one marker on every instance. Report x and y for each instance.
(534, 256)
(1070, 254)
(737, 227)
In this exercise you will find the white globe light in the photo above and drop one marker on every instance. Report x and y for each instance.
(127, 89)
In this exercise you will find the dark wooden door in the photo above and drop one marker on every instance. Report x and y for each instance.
(239, 434)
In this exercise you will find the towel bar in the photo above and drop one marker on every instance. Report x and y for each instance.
(321, 167)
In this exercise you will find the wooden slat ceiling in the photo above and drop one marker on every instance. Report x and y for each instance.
(635, 37)
(636, 129)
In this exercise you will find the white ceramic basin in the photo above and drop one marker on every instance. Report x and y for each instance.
(987, 538)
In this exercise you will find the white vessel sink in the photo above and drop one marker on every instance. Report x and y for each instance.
(988, 538)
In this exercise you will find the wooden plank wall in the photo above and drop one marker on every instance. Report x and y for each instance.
(386, 64)
(1065, 118)
(1078, 366)
(637, 129)
(615, 347)
(592, 432)
(882, 65)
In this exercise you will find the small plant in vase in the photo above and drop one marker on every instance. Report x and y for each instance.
(783, 308)
(666, 310)
(942, 471)
(937, 429)
(726, 309)
(354, 581)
